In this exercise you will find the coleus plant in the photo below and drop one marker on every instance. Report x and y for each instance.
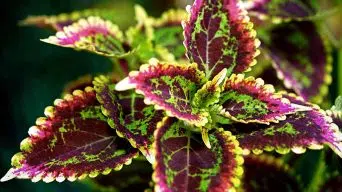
(188, 110)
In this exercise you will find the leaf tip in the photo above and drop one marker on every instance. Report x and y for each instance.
(205, 138)
(124, 85)
(301, 108)
(8, 176)
(50, 40)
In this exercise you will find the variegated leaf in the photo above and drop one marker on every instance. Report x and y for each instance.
(58, 22)
(128, 114)
(301, 130)
(249, 100)
(267, 173)
(302, 59)
(169, 87)
(184, 163)
(73, 141)
(219, 35)
(92, 34)
(168, 33)
(278, 11)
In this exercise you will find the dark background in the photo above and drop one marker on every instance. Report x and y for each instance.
(34, 73)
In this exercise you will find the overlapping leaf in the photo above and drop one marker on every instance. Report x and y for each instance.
(140, 36)
(168, 33)
(266, 173)
(129, 115)
(336, 112)
(91, 34)
(301, 130)
(184, 163)
(58, 22)
(79, 84)
(301, 59)
(73, 141)
(249, 100)
(168, 87)
(85, 81)
(135, 177)
(278, 11)
(218, 35)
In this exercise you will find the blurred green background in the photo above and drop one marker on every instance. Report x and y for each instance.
(33, 73)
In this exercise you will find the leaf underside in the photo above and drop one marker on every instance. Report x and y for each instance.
(218, 35)
(280, 10)
(301, 130)
(135, 177)
(168, 87)
(184, 163)
(301, 59)
(73, 141)
(268, 174)
(92, 34)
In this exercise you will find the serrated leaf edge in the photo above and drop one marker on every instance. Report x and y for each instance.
(245, 21)
(299, 149)
(268, 89)
(327, 79)
(83, 23)
(238, 171)
(126, 84)
(26, 145)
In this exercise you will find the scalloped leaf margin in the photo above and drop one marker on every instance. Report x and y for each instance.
(72, 142)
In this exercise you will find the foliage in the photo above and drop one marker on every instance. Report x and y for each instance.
(195, 112)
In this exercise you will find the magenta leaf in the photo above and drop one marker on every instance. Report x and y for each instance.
(184, 163)
(58, 22)
(129, 115)
(278, 11)
(249, 100)
(168, 33)
(73, 141)
(301, 59)
(301, 130)
(219, 35)
(266, 173)
(169, 87)
(135, 177)
(92, 34)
